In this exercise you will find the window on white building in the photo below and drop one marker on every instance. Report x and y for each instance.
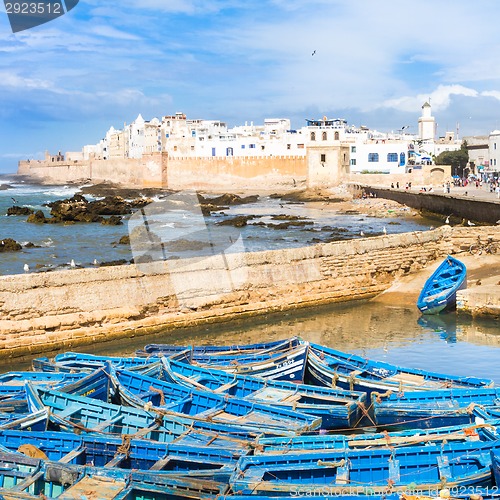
(313, 136)
(353, 161)
(392, 157)
(373, 157)
(353, 149)
(323, 158)
(324, 136)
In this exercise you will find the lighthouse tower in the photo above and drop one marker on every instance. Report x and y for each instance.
(426, 124)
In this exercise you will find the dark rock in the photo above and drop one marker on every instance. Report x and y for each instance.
(31, 245)
(183, 245)
(4, 187)
(114, 220)
(9, 245)
(124, 240)
(227, 199)
(17, 210)
(37, 218)
(119, 262)
(110, 189)
(238, 221)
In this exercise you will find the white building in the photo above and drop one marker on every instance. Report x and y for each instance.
(494, 150)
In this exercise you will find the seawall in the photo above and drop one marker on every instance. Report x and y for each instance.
(460, 206)
(66, 309)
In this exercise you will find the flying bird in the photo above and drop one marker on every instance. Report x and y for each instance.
(314, 52)
(13, 199)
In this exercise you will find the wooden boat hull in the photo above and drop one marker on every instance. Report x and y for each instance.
(337, 408)
(82, 414)
(211, 411)
(328, 367)
(432, 408)
(440, 290)
(359, 471)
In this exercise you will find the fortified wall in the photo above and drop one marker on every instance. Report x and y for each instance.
(67, 309)
(159, 171)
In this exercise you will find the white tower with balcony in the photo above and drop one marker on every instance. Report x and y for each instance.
(426, 124)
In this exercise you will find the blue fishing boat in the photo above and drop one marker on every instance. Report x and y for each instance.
(208, 410)
(331, 368)
(28, 478)
(338, 409)
(440, 290)
(114, 452)
(489, 430)
(33, 421)
(276, 365)
(423, 468)
(219, 350)
(283, 365)
(71, 413)
(431, 408)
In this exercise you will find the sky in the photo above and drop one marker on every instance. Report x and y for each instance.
(64, 83)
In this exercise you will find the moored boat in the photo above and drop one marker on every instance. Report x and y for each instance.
(72, 413)
(432, 408)
(331, 368)
(211, 411)
(440, 290)
(338, 409)
(423, 468)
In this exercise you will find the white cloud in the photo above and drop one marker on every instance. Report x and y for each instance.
(110, 32)
(440, 98)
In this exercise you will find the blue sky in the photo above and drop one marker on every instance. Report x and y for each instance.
(63, 84)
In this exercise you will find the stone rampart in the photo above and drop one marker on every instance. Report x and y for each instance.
(158, 170)
(65, 309)
(236, 173)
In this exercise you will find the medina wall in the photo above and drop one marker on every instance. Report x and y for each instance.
(239, 173)
(160, 171)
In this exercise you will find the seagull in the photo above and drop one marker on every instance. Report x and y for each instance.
(361, 233)
(447, 221)
(13, 199)
(384, 230)
(314, 52)
(95, 262)
(72, 263)
(26, 268)
(470, 223)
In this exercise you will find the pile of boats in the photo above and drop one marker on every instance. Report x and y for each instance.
(283, 419)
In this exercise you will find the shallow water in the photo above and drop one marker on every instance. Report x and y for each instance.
(448, 344)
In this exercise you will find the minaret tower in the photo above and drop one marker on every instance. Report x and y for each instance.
(426, 124)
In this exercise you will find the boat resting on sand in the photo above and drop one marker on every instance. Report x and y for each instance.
(440, 290)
